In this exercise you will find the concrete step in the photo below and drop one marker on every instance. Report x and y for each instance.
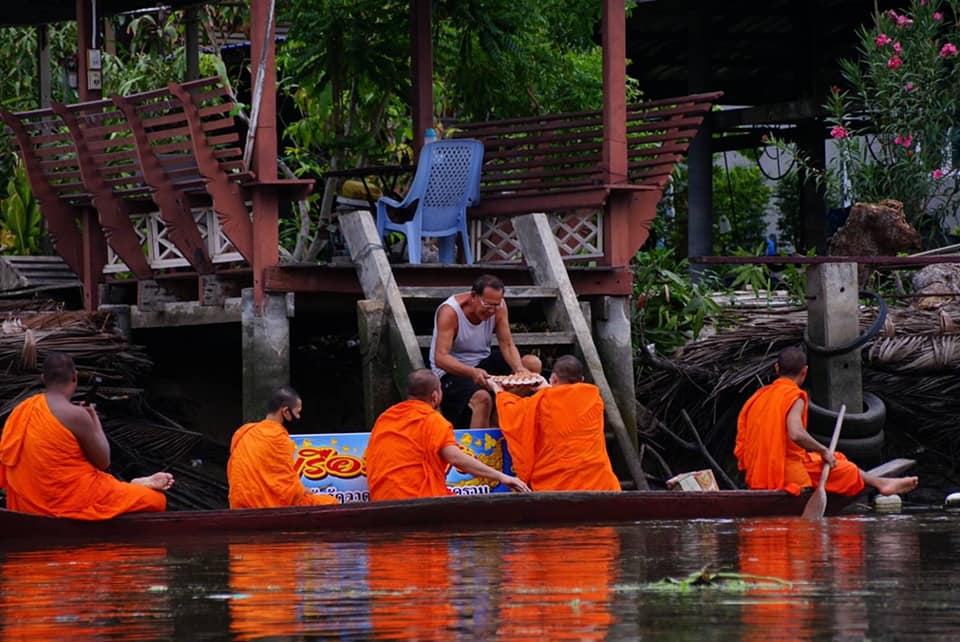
(521, 339)
(439, 293)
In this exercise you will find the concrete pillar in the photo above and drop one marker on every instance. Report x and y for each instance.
(833, 320)
(612, 334)
(121, 317)
(379, 391)
(265, 338)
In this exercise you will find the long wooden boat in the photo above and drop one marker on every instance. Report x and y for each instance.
(478, 512)
(496, 510)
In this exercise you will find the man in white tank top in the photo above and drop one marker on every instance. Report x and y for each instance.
(460, 352)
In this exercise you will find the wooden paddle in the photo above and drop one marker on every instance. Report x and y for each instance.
(817, 504)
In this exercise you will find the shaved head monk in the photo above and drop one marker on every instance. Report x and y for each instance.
(556, 437)
(260, 469)
(775, 451)
(53, 454)
(412, 446)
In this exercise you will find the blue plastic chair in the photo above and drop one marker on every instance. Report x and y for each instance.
(447, 182)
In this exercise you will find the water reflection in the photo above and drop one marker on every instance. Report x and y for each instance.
(849, 578)
(557, 584)
(87, 592)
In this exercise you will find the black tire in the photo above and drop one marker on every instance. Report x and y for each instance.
(856, 425)
(865, 452)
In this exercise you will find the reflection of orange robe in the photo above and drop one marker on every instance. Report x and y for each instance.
(260, 470)
(410, 578)
(770, 459)
(282, 590)
(556, 438)
(403, 453)
(46, 472)
(557, 584)
(100, 592)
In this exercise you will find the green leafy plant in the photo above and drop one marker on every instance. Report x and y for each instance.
(671, 309)
(21, 224)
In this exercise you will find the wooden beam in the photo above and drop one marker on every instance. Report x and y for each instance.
(327, 279)
(543, 258)
(378, 284)
(788, 112)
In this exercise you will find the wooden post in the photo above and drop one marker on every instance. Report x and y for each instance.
(421, 59)
(191, 19)
(546, 266)
(86, 24)
(377, 281)
(379, 392)
(43, 64)
(94, 246)
(833, 320)
(616, 222)
(700, 154)
(266, 225)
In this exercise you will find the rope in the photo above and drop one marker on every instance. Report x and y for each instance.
(861, 340)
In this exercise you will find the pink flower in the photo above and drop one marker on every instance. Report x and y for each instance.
(937, 16)
(882, 39)
(839, 132)
(903, 21)
(947, 50)
(897, 47)
(937, 174)
(908, 86)
(905, 141)
(895, 62)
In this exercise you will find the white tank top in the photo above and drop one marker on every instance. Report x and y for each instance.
(471, 345)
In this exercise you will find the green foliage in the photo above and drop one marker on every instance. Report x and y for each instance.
(740, 198)
(786, 195)
(896, 124)
(671, 309)
(21, 224)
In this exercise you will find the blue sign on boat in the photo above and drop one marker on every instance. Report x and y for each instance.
(333, 463)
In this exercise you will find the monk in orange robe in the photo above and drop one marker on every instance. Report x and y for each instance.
(775, 451)
(53, 455)
(556, 437)
(412, 446)
(260, 470)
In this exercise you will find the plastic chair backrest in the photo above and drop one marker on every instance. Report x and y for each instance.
(447, 182)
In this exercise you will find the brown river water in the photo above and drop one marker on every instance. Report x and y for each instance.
(890, 577)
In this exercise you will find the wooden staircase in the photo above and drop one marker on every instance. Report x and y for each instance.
(385, 312)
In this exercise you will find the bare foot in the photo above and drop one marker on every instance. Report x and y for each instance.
(156, 481)
(895, 485)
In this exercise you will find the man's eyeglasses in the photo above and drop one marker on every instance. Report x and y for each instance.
(489, 306)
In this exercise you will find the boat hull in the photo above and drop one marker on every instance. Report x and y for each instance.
(475, 512)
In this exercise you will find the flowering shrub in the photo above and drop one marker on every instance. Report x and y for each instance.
(896, 123)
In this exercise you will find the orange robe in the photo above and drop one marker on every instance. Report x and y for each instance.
(45, 471)
(556, 438)
(770, 459)
(261, 473)
(403, 453)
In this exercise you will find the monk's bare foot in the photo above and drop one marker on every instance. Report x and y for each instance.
(895, 485)
(156, 481)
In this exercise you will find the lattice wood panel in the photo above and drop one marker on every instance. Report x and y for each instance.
(161, 253)
(579, 237)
